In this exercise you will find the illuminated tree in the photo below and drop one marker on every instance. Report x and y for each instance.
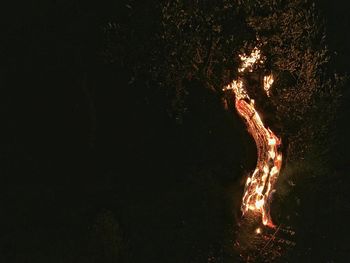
(202, 41)
(306, 91)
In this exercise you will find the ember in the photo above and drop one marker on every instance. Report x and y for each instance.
(260, 185)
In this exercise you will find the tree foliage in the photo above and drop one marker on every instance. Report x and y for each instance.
(202, 41)
(306, 91)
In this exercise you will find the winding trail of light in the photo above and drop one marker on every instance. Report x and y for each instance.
(260, 184)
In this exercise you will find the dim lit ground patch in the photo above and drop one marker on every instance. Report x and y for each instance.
(258, 243)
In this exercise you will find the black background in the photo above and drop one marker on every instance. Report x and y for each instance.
(75, 143)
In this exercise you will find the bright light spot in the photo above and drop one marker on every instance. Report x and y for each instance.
(258, 231)
(272, 141)
(259, 204)
(268, 81)
(249, 61)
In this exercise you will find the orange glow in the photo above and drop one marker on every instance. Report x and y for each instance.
(260, 185)
(249, 61)
(268, 81)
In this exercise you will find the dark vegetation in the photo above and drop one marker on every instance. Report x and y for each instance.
(116, 145)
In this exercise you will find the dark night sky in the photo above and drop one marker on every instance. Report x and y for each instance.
(65, 123)
(338, 26)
